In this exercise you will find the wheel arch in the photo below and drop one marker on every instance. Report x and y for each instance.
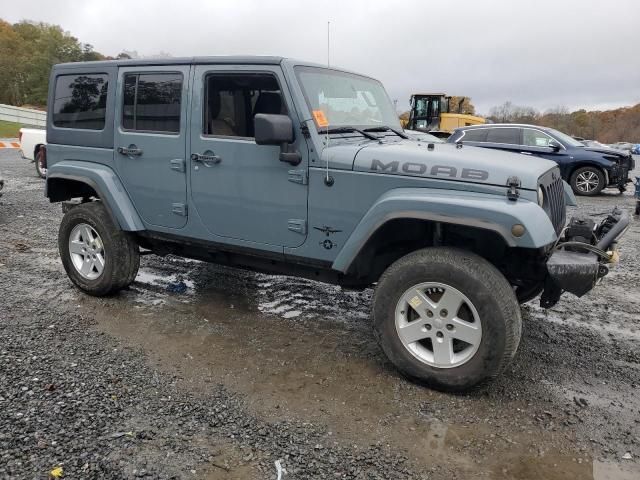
(37, 148)
(591, 164)
(67, 180)
(405, 220)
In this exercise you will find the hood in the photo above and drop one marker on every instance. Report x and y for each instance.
(608, 151)
(440, 160)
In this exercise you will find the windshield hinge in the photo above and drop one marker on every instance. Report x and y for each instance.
(305, 130)
(513, 183)
(298, 176)
(297, 225)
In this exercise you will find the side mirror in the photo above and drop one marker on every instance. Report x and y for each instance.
(272, 129)
(555, 147)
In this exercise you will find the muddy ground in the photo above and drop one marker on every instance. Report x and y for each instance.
(199, 371)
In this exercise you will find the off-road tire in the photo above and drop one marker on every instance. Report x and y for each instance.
(573, 181)
(38, 163)
(483, 285)
(122, 256)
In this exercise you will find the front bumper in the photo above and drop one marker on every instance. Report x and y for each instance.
(576, 266)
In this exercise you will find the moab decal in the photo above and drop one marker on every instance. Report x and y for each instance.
(414, 168)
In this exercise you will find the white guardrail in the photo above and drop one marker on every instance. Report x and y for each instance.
(23, 116)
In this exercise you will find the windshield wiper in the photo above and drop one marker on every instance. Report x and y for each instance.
(364, 133)
(386, 128)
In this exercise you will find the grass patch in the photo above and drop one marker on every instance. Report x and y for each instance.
(9, 129)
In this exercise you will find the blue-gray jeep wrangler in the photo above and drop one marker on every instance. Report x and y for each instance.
(288, 167)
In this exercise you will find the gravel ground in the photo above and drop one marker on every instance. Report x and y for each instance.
(199, 371)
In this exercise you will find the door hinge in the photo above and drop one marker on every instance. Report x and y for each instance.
(298, 176)
(298, 226)
(179, 209)
(178, 164)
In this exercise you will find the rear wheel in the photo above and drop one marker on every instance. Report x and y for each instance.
(447, 318)
(587, 181)
(41, 169)
(99, 258)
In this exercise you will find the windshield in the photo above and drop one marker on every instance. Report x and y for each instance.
(566, 139)
(339, 99)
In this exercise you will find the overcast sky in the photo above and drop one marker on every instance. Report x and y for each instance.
(541, 53)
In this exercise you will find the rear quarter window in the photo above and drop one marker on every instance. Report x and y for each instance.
(80, 101)
(475, 135)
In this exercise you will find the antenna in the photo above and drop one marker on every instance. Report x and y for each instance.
(328, 42)
(328, 181)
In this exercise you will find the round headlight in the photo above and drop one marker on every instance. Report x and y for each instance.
(540, 197)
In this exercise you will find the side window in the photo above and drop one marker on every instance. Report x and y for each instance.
(232, 100)
(504, 135)
(475, 135)
(152, 102)
(80, 101)
(535, 138)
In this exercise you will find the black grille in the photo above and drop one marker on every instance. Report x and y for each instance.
(554, 205)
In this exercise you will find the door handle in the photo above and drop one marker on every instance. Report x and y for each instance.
(526, 153)
(208, 158)
(130, 151)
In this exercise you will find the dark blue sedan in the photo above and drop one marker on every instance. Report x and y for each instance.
(587, 169)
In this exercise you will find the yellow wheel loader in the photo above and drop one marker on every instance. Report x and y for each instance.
(432, 113)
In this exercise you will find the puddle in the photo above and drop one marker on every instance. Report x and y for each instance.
(164, 281)
(613, 471)
(295, 298)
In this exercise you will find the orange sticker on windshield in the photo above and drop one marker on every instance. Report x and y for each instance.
(320, 118)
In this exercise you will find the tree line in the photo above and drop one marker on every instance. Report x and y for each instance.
(28, 50)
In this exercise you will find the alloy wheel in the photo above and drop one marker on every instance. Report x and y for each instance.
(86, 251)
(587, 181)
(438, 325)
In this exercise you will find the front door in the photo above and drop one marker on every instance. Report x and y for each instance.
(241, 190)
(536, 142)
(150, 141)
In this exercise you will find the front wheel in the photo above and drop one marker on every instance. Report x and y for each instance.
(447, 318)
(587, 181)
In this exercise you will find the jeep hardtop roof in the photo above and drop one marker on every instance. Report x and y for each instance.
(515, 125)
(203, 60)
(219, 59)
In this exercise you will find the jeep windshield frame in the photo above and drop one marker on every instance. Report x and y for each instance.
(338, 99)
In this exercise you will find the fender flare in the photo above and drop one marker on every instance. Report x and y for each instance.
(489, 212)
(106, 184)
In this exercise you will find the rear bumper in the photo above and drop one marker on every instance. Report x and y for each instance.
(575, 267)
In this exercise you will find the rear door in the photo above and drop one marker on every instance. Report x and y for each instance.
(504, 138)
(150, 141)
